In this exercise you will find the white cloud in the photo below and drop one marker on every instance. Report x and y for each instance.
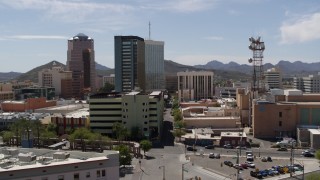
(76, 12)
(306, 28)
(33, 37)
(214, 38)
(180, 5)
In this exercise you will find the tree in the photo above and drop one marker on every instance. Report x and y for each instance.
(106, 88)
(145, 146)
(37, 127)
(82, 134)
(124, 155)
(178, 133)
(6, 136)
(120, 131)
(177, 116)
(175, 104)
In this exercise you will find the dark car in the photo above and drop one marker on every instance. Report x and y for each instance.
(269, 159)
(228, 163)
(256, 174)
(190, 148)
(308, 154)
(209, 147)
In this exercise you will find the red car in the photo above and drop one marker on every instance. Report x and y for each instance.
(244, 165)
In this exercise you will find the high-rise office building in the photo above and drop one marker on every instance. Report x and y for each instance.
(195, 85)
(129, 63)
(273, 78)
(308, 84)
(154, 65)
(82, 64)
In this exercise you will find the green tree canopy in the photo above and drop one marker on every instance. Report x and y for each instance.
(177, 116)
(145, 145)
(120, 131)
(124, 155)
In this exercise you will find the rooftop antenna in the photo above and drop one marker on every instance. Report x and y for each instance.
(149, 30)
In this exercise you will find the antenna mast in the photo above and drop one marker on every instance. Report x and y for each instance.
(149, 30)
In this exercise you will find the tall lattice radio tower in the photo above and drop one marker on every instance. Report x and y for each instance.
(257, 47)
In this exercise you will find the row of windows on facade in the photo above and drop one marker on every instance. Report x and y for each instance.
(76, 176)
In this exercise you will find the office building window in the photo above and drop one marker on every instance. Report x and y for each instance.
(280, 123)
(103, 172)
(76, 176)
(88, 174)
(98, 173)
(280, 114)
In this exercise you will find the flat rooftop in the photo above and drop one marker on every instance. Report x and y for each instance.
(44, 158)
(233, 134)
(314, 131)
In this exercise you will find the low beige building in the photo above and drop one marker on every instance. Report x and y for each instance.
(211, 117)
(282, 117)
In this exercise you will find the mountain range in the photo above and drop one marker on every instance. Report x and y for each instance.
(231, 70)
(286, 67)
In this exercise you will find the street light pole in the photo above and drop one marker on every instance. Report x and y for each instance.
(163, 172)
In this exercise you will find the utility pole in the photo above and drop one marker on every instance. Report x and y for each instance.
(291, 159)
(238, 169)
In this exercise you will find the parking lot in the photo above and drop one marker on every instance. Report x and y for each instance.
(218, 166)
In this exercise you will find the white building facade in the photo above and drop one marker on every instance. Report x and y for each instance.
(195, 85)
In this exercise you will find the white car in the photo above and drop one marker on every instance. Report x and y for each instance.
(249, 157)
(250, 164)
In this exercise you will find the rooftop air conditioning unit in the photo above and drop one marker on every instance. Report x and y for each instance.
(61, 155)
(28, 157)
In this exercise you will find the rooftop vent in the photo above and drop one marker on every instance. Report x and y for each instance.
(61, 155)
(10, 151)
(28, 157)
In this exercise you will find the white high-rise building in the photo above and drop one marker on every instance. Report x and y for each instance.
(309, 84)
(195, 85)
(154, 63)
(273, 78)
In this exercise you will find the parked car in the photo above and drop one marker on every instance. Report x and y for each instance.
(228, 146)
(298, 166)
(238, 166)
(249, 157)
(217, 155)
(255, 174)
(269, 159)
(228, 163)
(209, 147)
(263, 173)
(190, 148)
(270, 172)
(264, 159)
(211, 155)
(244, 165)
(250, 164)
(275, 172)
(282, 149)
(308, 154)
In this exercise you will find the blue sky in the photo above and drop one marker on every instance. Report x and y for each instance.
(34, 32)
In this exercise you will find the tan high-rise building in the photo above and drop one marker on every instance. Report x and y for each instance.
(195, 85)
(58, 78)
(82, 64)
